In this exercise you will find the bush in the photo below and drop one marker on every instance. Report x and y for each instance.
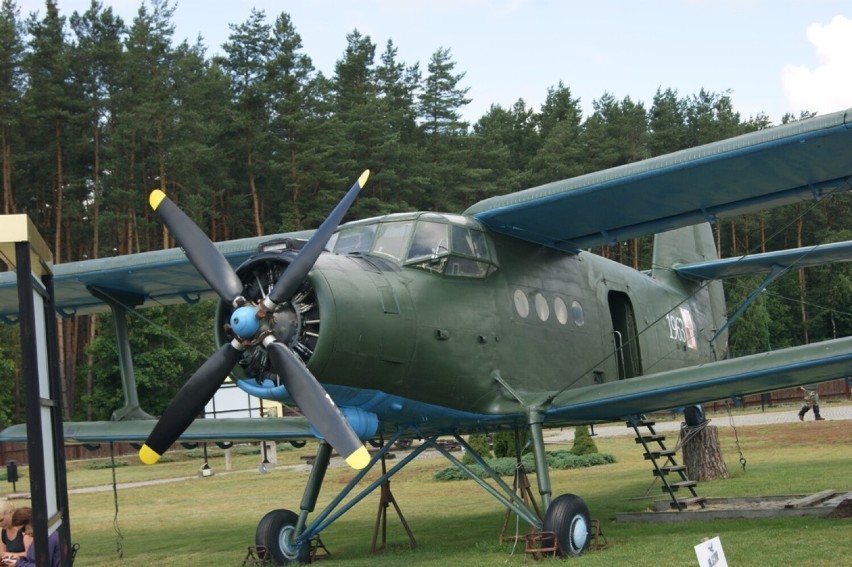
(99, 464)
(583, 442)
(479, 443)
(503, 443)
(505, 466)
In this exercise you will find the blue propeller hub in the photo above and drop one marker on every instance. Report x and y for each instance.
(244, 322)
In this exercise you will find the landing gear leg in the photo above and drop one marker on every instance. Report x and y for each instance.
(280, 530)
(542, 472)
(567, 515)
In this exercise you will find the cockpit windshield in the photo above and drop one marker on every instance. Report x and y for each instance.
(445, 244)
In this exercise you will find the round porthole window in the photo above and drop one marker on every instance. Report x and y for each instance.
(577, 313)
(560, 310)
(541, 307)
(522, 304)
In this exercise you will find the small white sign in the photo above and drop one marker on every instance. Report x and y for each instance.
(710, 553)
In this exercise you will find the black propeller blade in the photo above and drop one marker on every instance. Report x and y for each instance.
(189, 402)
(296, 272)
(316, 404)
(306, 391)
(206, 258)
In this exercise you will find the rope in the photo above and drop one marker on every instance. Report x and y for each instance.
(736, 436)
(119, 538)
(690, 432)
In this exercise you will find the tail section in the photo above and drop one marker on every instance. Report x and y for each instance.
(689, 245)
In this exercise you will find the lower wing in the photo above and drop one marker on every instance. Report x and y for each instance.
(790, 367)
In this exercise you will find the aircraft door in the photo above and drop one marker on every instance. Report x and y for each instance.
(397, 326)
(625, 336)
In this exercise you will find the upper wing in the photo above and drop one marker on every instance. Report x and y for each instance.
(160, 277)
(785, 164)
(201, 430)
(753, 374)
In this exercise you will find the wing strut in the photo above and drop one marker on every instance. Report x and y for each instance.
(774, 274)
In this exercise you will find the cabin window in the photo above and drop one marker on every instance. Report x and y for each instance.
(392, 238)
(522, 304)
(542, 309)
(357, 239)
(560, 310)
(577, 313)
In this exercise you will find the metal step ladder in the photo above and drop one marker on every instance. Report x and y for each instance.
(665, 464)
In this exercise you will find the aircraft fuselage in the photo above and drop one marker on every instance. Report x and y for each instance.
(489, 329)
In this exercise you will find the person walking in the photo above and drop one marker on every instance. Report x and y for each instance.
(811, 401)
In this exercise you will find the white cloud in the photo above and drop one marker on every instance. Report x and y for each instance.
(828, 86)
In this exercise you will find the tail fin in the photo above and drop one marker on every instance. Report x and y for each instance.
(688, 245)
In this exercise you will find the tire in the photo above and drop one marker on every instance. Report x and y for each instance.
(568, 517)
(694, 415)
(276, 532)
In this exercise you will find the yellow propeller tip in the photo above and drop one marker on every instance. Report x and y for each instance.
(359, 459)
(156, 198)
(363, 179)
(148, 456)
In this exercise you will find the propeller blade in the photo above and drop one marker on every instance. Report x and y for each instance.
(189, 402)
(206, 258)
(296, 272)
(317, 405)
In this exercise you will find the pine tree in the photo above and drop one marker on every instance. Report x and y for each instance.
(11, 84)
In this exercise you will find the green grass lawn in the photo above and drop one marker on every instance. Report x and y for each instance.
(211, 521)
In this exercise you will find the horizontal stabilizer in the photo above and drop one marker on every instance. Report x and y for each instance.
(806, 257)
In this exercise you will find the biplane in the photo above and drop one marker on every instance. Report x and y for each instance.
(423, 325)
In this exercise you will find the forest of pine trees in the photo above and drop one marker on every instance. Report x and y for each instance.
(95, 112)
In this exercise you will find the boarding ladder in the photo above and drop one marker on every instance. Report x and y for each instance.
(665, 464)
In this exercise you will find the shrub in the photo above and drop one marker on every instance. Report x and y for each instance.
(98, 464)
(583, 442)
(505, 466)
(479, 443)
(504, 443)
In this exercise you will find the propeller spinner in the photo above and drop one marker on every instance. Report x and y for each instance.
(253, 325)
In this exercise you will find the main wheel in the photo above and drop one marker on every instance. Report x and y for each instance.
(277, 532)
(568, 517)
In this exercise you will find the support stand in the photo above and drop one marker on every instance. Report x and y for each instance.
(385, 500)
(522, 487)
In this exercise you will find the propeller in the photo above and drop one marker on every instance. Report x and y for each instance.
(253, 325)
(202, 253)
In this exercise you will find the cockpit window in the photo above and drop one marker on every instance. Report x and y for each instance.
(453, 248)
(469, 243)
(357, 239)
(430, 241)
(392, 238)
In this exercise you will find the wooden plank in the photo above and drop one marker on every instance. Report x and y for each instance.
(810, 500)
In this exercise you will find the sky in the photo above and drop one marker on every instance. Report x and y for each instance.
(771, 56)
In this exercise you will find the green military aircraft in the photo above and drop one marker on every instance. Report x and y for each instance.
(422, 325)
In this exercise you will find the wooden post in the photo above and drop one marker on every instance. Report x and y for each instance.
(702, 453)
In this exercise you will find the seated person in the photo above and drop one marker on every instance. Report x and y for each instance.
(23, 518)
(11, 537)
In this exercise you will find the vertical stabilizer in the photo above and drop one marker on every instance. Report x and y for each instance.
(685, 246)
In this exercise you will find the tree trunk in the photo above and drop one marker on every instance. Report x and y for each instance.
(8, 196)
(702, 453)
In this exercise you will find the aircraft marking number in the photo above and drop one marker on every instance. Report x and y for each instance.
(681, 328)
